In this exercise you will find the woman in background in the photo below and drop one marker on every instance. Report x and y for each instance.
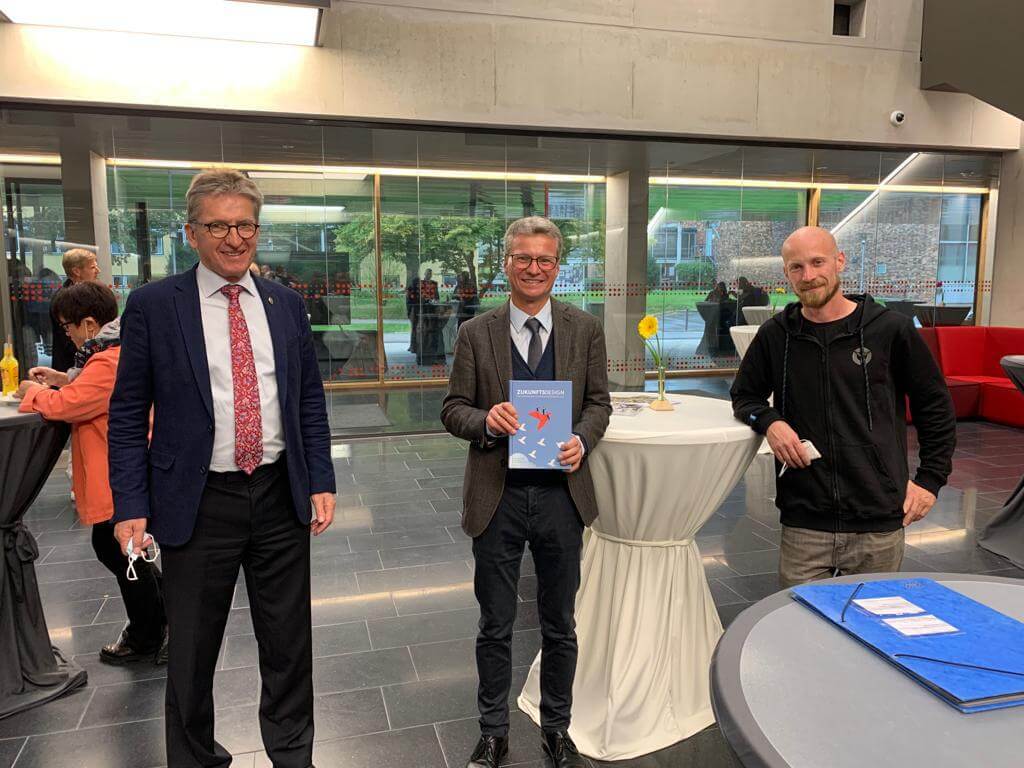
(87, 312)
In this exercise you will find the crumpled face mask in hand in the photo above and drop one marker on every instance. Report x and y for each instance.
(149, 553)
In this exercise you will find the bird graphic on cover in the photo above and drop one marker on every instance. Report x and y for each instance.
(542, 417)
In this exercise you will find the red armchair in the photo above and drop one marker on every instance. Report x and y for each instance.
(969, 359)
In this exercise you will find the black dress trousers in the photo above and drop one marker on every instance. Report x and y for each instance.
(544, 517)
(248, 522)
(143, 598)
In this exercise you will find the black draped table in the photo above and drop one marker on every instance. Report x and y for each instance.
(32, 671)
(1004, 534)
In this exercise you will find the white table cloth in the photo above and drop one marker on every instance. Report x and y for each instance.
(758, 315)
(645, 619)
(742, 335)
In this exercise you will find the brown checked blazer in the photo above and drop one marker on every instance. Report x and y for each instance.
(479, 380)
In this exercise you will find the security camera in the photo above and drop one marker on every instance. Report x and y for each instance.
(897, 117)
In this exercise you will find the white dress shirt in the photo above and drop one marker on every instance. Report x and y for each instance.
(521, 335)
(217, 334)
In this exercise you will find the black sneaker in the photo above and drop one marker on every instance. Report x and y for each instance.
(123, 652)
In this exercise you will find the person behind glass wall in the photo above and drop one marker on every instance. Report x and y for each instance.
(467, 296)
(239, 458)
(412, 310)
(87, 313)
(428, 287)
(749, 295)
(79, 266)
(530, 337)
(840, 369)
(718, 294)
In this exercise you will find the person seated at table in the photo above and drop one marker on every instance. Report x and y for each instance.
(87, 312)
(719, 293)
(840, 367)
(530, 337)
(750, 295)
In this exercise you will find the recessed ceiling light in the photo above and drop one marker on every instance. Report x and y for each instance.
(293, 22)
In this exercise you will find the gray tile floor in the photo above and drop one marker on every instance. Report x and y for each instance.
(394, 615)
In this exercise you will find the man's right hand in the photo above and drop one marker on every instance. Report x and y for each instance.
(502, 419)
(786, 445)
(130, 530)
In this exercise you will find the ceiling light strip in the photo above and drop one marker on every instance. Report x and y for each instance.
(352, 170)
(30, 159)
(314, 171)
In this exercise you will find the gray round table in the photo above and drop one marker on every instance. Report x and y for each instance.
(790, 690)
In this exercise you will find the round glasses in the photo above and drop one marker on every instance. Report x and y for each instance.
(522, 261)
(219, 230)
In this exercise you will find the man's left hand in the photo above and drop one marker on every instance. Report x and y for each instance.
(323, 512)
(571, 454)
(918, 503)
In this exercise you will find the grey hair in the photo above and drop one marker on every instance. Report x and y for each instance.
(532, 225)
(220, 182)
(76, 258)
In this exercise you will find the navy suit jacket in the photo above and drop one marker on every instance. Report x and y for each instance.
(163, 366)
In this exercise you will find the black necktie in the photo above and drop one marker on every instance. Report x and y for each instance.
(536, 348)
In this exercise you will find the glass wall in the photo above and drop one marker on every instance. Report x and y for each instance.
(393, 236)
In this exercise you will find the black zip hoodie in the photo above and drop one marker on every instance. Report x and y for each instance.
(848, 400)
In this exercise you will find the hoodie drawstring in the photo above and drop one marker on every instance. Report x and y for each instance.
(867, 387)
(785, 374)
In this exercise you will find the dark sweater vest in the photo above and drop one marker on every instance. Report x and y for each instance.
(545, 372)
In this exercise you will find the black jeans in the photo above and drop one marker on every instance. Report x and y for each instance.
(545, 517)
(248, 522)
(143, 599)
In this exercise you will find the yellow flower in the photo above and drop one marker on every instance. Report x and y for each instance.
(648, 327)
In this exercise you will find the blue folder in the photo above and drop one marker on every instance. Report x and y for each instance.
(978, 667)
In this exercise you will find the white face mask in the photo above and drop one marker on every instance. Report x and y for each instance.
(149, 553)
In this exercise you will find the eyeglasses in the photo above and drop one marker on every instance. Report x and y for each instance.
(522, 261)
(218, 229)
(65, 325)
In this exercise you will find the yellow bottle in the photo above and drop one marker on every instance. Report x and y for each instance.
(9, 370)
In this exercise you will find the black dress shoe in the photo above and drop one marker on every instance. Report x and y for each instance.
(123, 652)
(489, 752)
(561, 751)
(161, 655)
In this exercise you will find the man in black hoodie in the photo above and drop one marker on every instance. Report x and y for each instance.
(839, 368)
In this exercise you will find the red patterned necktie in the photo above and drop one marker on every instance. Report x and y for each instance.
(248, 424)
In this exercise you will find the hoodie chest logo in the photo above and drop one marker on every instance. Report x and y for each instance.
(861, 356)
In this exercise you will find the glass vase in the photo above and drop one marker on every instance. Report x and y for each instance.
(662, 403)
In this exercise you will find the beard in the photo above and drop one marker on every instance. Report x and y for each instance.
(815, 298)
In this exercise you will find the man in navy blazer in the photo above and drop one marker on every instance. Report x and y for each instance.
(220, 448)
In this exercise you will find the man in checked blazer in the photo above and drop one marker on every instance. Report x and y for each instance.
(530, 337)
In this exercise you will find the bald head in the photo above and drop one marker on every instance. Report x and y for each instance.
(812, 262)
(807, 240)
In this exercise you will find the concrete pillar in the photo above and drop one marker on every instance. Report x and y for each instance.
(1007, 305)
(84, 182)
(626, 272)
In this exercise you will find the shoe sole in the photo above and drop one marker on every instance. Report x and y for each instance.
(122, 661)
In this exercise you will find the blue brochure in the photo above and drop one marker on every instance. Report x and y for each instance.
(968, 654)
(545, 420)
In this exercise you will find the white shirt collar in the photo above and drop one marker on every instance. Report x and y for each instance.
(518, 318)
(210, 282)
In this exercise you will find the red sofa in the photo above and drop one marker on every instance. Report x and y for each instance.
(968, 357)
